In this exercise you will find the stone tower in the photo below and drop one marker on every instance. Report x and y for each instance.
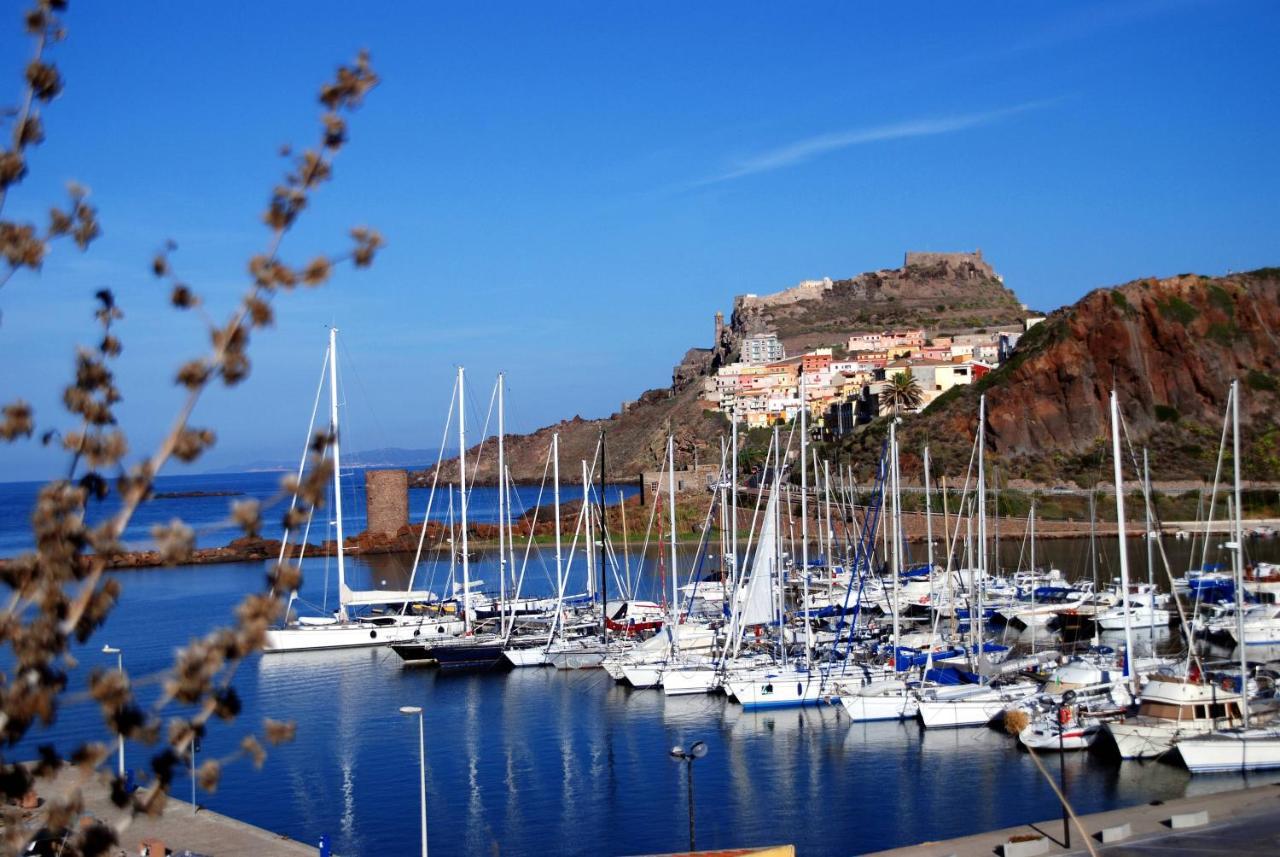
(387, 500)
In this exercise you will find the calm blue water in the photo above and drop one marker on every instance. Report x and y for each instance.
(210, 516)
(540, 761)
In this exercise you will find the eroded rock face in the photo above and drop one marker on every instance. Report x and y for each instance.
(1170, 348)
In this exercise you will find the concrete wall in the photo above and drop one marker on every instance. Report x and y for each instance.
(387, 495)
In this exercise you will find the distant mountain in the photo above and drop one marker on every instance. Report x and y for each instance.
(391, 456)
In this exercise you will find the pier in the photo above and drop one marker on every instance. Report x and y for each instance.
(179, 826)
(1240, 822)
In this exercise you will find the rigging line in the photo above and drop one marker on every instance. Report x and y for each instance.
(431, 495)
(533, 527)
(364, 393)
(484, 439)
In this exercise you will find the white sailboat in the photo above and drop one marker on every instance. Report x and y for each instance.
(345, 629)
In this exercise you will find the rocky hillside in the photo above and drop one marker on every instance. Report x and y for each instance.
(1169, 347)
(939, 291)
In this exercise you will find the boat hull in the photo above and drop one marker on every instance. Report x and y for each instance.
(351, 635)
(1221, 753)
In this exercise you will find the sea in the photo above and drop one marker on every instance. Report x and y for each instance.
(539, 761)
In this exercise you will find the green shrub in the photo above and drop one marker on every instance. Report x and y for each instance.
(1222, 299)
(1118, 298)
(1167, 414)
(1176, 309)
(1223, 333)
(1261, 381)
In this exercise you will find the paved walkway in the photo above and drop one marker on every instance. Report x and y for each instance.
(204, 832)
(1242, 822)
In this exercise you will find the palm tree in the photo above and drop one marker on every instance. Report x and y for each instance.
(901, 393)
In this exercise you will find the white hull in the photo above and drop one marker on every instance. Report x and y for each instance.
(643, 675)
(574, 657)
(865, 709)
(1235, 750)
(949, 714)
(535, 656)
(1047, 737)
(356, 634)
(679, 681)
(1148, 740)
(788, 688)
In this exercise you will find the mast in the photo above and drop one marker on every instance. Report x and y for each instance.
(337, 470)
(978, 621)
(928, 524)
(671, 494)
(1151, 557)
(1237, 558)
(1093, 554)
(555, 482)
(804, 519)
(1124, 547)
(733, 515)
(604, 565)
(502, 506)
(462, 489)
(1033, 575)
(588, 530)
(895, 568)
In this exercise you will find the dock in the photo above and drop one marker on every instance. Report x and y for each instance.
(1240, 822)
(180, 826)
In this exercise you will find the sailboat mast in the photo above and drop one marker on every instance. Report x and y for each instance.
(1237, 554)
(978, 620)
(462, 489)
(928, 527)
(555, 483)
(671, 497)
(895, 569)
(337, 470)
(604, 563)
(1124, 547)
(587, 533)
(804, 519)
(502, 512)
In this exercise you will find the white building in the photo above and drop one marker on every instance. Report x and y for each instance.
(762, 348)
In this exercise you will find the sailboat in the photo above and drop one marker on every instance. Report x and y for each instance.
(345, 628)
(1245, 747)
(471, 651)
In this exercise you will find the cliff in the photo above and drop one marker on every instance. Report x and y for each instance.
(1169, 347)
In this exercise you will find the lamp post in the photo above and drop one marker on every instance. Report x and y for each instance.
(422, 767)
(112, 650)
(1068, 699)
(696, 750)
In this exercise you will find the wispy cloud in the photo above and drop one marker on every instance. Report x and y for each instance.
(814, 147)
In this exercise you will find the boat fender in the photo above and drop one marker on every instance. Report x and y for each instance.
(373, 635)
(1064, 716)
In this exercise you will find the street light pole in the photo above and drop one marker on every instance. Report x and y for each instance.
(422, 768)
(1067, 699)
(119, 653)
(696, 750)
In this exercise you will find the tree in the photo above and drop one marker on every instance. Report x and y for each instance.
(60, 593)
(902, 393)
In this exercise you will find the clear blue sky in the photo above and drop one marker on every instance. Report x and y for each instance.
(570, 190)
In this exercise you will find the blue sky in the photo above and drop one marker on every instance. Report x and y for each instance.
(569, 191)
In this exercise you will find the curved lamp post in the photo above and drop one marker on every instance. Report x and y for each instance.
(422, 767)
(696, 750)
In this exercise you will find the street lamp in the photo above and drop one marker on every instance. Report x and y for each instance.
(696, 750)
(422, 767)
(1068, 699)
(112, 650)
